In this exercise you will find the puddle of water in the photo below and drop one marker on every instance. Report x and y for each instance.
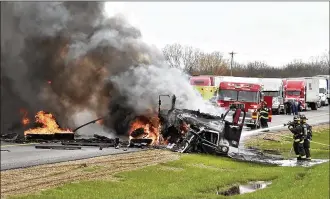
(253, 155)
(294, 162)
(246, 188)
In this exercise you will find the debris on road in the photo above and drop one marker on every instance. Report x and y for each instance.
(57, 147)
(9, 137)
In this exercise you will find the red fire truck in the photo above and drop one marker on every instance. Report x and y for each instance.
(248, 96)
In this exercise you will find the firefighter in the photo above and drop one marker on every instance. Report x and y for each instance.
(307, 135)
(293, 107)
(263, 115)
(288, 107)
(298, 137)
(296, 106)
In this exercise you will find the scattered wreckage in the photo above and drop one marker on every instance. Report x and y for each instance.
(182, 130)
(63, 140)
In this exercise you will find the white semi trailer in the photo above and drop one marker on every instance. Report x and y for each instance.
(324, 89)
(274, 87)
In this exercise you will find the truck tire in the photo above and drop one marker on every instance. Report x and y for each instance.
(313, 106)
(275, 111)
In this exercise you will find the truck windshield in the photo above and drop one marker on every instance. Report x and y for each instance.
(294, 93)
(248, 96)
(322, 90)
(271, 93)
(227, 95)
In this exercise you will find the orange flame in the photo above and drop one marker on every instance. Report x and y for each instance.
(49, 125)
(151, 127)
(100, 122)
(25, 119)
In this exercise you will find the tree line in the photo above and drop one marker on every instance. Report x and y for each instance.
(196, 62)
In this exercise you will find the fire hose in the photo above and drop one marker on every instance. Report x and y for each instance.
(310, 140)
(260, 130)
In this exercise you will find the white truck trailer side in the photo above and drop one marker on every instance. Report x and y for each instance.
(326, 77)
(274, 87)
(312, 91)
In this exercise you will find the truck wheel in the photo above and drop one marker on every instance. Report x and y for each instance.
(275, 111)
(313, 106)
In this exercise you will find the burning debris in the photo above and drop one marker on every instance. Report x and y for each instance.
(25, 119)
(47, 126)
(145, 129)
(190, 131)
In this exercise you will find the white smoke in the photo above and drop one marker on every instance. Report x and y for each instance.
(88, 131)
(142, 86)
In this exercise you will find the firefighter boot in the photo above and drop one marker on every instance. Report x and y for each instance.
(303, 158)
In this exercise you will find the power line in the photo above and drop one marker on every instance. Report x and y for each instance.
(231, 62)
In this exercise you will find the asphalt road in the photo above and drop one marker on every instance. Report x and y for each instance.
(314, 117)
(20, 156)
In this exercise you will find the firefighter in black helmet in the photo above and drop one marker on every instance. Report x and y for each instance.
(298, 137)
(263, 115)
(307, 129)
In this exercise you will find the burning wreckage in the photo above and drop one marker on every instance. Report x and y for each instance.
(192, 131)
(182, 130)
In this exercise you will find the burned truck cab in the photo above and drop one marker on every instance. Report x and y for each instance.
(206, 133)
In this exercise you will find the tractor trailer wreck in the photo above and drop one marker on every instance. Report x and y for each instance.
(193, 131)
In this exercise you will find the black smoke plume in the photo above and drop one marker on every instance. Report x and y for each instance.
(69, 59)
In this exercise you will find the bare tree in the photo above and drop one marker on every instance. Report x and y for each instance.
(195, 62)
(212, 64)
(173, 55)
(185, 57)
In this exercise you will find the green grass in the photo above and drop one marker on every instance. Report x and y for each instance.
(285, 144)
(198, 176)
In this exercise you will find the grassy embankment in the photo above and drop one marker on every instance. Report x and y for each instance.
(198, 176)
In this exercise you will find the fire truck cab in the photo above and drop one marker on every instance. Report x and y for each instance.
(247, 96)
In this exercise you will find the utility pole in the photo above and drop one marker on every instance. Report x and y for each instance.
(231, 62)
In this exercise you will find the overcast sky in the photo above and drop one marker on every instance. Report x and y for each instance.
(274, 32)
